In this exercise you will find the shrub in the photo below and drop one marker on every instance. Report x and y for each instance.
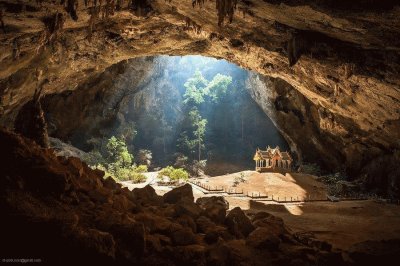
(141, 169)
(179, 174)
(166, 171)
(173, 174)
(137, 177)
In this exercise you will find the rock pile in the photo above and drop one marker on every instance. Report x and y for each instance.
(61, 211)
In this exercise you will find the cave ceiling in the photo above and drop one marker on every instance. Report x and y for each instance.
(342, 57)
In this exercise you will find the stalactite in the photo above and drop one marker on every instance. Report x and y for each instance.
(94, 13)
(16, 49)
(72, 6)
(141, 7)
(2, 13)
(193, 26)
(225, 9)
(54, 25)
(199, 3)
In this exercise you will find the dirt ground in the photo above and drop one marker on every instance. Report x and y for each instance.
(341, 223)
(292, 185)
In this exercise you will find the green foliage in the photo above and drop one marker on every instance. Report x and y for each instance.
(166, 171)
(137, 177)
(195, 89)
(217, 88)
(179, 174)
(141, 168)
(117, 153)
(174, 174)
(200, 91)
(117, 162)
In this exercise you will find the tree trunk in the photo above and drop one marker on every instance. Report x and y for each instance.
(199, 149)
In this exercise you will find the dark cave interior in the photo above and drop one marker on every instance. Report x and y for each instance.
(129, 129)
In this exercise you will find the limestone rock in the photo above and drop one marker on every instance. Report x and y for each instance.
(262, 238)
(183, 236)
(214, 208)
(147, 195)
(238, 223)
(183, 193)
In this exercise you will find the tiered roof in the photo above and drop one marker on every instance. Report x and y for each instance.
(270, 153)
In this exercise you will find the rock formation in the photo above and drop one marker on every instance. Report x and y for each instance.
(59, 210)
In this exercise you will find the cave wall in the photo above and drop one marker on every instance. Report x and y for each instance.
(343, 59)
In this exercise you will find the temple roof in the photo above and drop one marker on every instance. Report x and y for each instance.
(271, 153)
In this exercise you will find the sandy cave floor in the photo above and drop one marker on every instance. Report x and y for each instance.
(339, 223)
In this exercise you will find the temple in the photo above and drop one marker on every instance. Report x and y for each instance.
(272, 160)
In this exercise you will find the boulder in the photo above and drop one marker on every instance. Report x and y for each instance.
(154, 223)
(189, 208)
(183, 237)
(100, 195)
(190, 255)
(157, 242)
(110, 183)
(132, 235)
(187, 221)
(273, 223)
(214, 208)
(122, 204)
(206, 202)
(218, 254)
(95, 242)
(182, 193)
(147, 195)
(212, 231)
(238, 223)
(262, 238)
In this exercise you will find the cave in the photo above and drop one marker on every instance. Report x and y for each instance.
(132, 132)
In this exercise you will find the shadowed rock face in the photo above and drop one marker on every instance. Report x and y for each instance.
(338, 59)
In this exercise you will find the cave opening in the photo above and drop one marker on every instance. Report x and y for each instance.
(324, 85)
(193, 112)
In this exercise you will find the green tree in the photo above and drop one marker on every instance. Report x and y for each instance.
(195, 89)
(199, 129)
(118, 153)
(200, 91)
(218, 86)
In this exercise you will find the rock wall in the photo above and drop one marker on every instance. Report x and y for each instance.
(342, 58)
